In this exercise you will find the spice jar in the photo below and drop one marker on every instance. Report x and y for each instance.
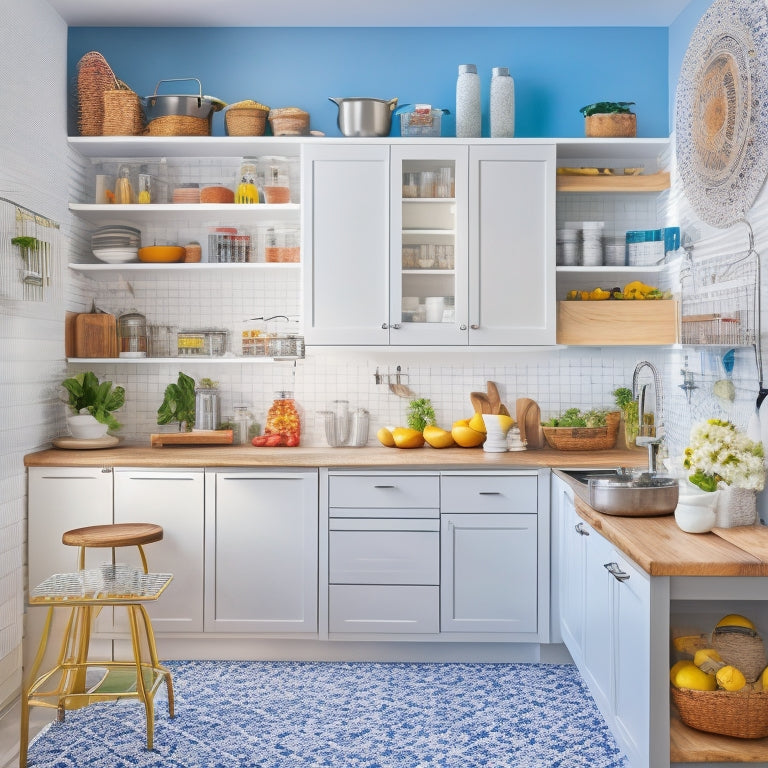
(132, 334)
(123, 187)
(283, 419)
(242, 425)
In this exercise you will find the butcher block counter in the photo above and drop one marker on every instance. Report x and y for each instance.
(322, 456)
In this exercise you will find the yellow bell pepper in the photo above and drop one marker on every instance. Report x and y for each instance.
(638, 290)
(598, 294)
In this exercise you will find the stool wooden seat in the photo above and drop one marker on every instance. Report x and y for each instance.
(113, 536)
(85, 593)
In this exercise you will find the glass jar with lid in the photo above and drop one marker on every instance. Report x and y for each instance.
(283, 419)
(132, 334)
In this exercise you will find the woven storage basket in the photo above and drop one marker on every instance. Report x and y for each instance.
(123, 115)
(742, 648)
(585, 438)
(246, 121)
(728, 713)
(179, 125)
(289, 121)
(94, 78)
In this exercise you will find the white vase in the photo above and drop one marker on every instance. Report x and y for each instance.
(695, 512)
(735, 507)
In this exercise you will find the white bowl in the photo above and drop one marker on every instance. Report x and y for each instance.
(695, 513)
(116, 255)
(83, 426)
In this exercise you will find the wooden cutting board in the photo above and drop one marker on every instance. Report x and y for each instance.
(199, 437)
(95, 335)
(528, 417)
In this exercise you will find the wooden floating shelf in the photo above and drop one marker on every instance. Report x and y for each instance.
(652, 182)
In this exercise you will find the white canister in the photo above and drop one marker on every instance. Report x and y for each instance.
(434, 306)
(502, 104)
(468, 114)
(696, 512)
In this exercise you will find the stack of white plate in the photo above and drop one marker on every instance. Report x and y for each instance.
(592, 243)
(116, 244)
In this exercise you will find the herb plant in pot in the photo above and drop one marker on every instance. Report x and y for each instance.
(609, 119)
(92, 404)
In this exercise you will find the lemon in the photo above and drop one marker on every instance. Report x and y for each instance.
(677, 666)
(461, 423)
(688, 643)
(730, 678)
(437, 437)
(764, 679)
(385, 437)
(467, 437)
(704, 654)
(405, 437)
(690, 676)
(735, 620)
(506, 422)
(477, 423)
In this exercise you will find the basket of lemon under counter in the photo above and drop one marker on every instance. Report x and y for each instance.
(742, 714)
(618, 322)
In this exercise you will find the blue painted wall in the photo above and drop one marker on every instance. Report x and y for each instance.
(557, 70)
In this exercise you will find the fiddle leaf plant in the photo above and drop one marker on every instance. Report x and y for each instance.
(179, 403)
(88, 395)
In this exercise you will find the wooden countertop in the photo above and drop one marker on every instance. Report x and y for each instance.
(376, 457)
(660, 548)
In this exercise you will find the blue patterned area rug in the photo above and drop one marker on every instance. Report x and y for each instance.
(345, 715)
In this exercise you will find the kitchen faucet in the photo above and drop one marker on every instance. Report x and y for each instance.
(649, 435)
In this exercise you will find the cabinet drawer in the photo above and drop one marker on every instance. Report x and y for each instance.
(384, 557)
(387, 492)
(489, 494)
(384, 609)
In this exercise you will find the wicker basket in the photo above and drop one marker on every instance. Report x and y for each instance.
(289, 121)
(728, 713)
(742, 648)
(585, 438)
(245, 121)
(94, 78)
(123, 115)
(179, 125)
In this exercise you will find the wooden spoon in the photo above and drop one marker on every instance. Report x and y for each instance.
(495, 400)
(480, 402)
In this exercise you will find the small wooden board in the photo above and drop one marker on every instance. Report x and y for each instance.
(199, 437)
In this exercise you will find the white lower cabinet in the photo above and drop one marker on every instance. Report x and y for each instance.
(174, 499)
(261, 552)
(606, 624)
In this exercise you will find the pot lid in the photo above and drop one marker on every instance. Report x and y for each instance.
(721, 111)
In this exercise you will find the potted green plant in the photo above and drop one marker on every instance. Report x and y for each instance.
(179, 403)
(628, 407)
(92, 403)
(609, 119)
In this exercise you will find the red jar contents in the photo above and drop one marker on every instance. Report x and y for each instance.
(283, 426)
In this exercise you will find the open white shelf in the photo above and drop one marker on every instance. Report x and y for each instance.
(173, 271)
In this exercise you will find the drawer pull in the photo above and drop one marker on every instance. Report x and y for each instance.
(490, 493)
(383, 486)
(580, 529)
(616, 572)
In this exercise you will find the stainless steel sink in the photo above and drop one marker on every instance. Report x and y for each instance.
(628, 494)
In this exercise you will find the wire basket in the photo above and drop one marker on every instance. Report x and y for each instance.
(585, 438)
(742, 714)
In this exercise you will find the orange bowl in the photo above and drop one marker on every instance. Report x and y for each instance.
(161, 253)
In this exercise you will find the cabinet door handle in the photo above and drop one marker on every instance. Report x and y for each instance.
(474, 326)
(580, 529)
(383, 486)
(463, 327)
(384, 326)
(490, 493)
(396, 326)
(616, 572)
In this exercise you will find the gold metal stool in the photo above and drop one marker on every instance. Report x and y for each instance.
(85, 592)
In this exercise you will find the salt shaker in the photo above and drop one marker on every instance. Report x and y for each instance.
(502, 104)
(468, 114)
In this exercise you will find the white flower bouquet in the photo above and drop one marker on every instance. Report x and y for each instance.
(719, 455)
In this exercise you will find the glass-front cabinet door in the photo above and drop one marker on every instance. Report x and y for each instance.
(428, 238)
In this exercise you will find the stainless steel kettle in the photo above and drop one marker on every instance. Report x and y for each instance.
(365, 117)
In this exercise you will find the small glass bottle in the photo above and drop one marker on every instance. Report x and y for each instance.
(123, 187)
(242, 423)
(283, 419)
(502, 104)
(468, 114)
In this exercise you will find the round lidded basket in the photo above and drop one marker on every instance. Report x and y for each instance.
(246, 121)
(741, 647)
(289, 121)
(585, 438)
(742, 714)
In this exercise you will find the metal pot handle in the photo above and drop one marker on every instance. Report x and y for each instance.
(181, 79)
(392, 103)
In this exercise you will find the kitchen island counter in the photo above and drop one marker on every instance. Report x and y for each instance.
(322, 456)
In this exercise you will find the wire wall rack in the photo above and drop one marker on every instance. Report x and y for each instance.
(30, 244)
(719, 299)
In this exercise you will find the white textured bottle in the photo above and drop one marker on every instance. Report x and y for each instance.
(502, 104)
(468, 114)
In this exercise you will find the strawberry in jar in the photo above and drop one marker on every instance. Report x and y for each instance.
(283, 421)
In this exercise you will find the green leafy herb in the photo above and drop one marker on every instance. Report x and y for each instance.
(24, 243)
(607, 108)
(623, 397)
(98, 399)
(421, 414)
(179, 403)
(573, 417)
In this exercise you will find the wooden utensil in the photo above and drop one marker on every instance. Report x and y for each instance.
(495, 400)
(533, 431)
(480, 402)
